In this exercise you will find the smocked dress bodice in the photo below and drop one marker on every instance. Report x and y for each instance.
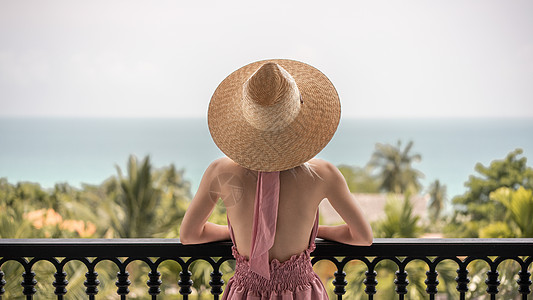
(256, 277)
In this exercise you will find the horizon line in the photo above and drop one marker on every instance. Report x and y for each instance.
(205, 117)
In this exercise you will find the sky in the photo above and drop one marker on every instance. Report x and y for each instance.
(387, 59)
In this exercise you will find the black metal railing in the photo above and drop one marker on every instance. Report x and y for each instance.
(400, 252)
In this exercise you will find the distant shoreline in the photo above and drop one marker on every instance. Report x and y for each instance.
(86, 150)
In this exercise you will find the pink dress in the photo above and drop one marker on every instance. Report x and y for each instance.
(256, 278)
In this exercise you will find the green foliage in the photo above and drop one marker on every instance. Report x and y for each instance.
(511, 172)
(476, 209)
(519, 207)
(395, 170)
(144, 202)
(359, 180)
(138, 197)
(399, 221)
(496, 230)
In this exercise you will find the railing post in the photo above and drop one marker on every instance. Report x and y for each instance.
(185, 283)
(154, 282)
(123, 283)
(432, 282)
(339, 282)
(492, 283)
(91, 283)
(60, 283)
(2, 284)
(28, 283)
(524, 282)
(216, 283)
(370, 282)
(401, 282)
(462, 281)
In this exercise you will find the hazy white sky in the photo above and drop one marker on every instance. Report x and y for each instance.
(165, 58)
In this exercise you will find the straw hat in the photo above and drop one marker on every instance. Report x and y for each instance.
(273, 115)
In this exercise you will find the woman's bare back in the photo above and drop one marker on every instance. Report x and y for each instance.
(300, 194)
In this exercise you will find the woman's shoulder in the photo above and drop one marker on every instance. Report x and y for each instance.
(221, 162)
(331, 177)
(324, 168)
(223, 165)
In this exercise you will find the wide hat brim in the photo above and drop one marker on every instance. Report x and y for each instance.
(283, 149)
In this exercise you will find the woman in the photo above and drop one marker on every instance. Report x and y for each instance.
(271, 118)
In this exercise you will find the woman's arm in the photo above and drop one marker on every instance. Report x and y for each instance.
(195, 229)
(357, 230)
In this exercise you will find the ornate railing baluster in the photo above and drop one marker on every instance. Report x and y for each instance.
(28, 283)
(185, 283)
(60, 283)
(492, 283)
(370, 282)
(340, 283)
(154, 282)
(2, 284)
(524, 282)
(462, 281)
(216, 283)
(91, 284)
(401, 282)
(123, 283)
(432, 282)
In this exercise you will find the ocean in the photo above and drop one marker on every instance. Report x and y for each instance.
(87, 150)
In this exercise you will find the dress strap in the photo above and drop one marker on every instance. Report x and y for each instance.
(264, 222)
(314, 231)
(231, 235)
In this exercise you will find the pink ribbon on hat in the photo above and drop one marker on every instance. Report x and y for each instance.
(265, 218)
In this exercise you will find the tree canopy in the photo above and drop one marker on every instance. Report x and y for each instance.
(476, 208)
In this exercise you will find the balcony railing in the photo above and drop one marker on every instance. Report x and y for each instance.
(400, 252)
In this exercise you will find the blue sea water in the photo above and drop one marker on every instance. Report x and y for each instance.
(87, 150)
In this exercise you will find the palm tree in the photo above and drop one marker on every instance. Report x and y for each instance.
(137, 198)
(146, 202)
(438, 198)
(400, 220)
(395, 170)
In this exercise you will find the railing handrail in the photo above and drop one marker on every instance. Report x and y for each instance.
(151, 247)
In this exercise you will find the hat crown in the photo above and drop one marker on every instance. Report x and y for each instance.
(271, 99)
(268, 85)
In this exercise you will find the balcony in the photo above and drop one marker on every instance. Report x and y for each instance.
(400, 254)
